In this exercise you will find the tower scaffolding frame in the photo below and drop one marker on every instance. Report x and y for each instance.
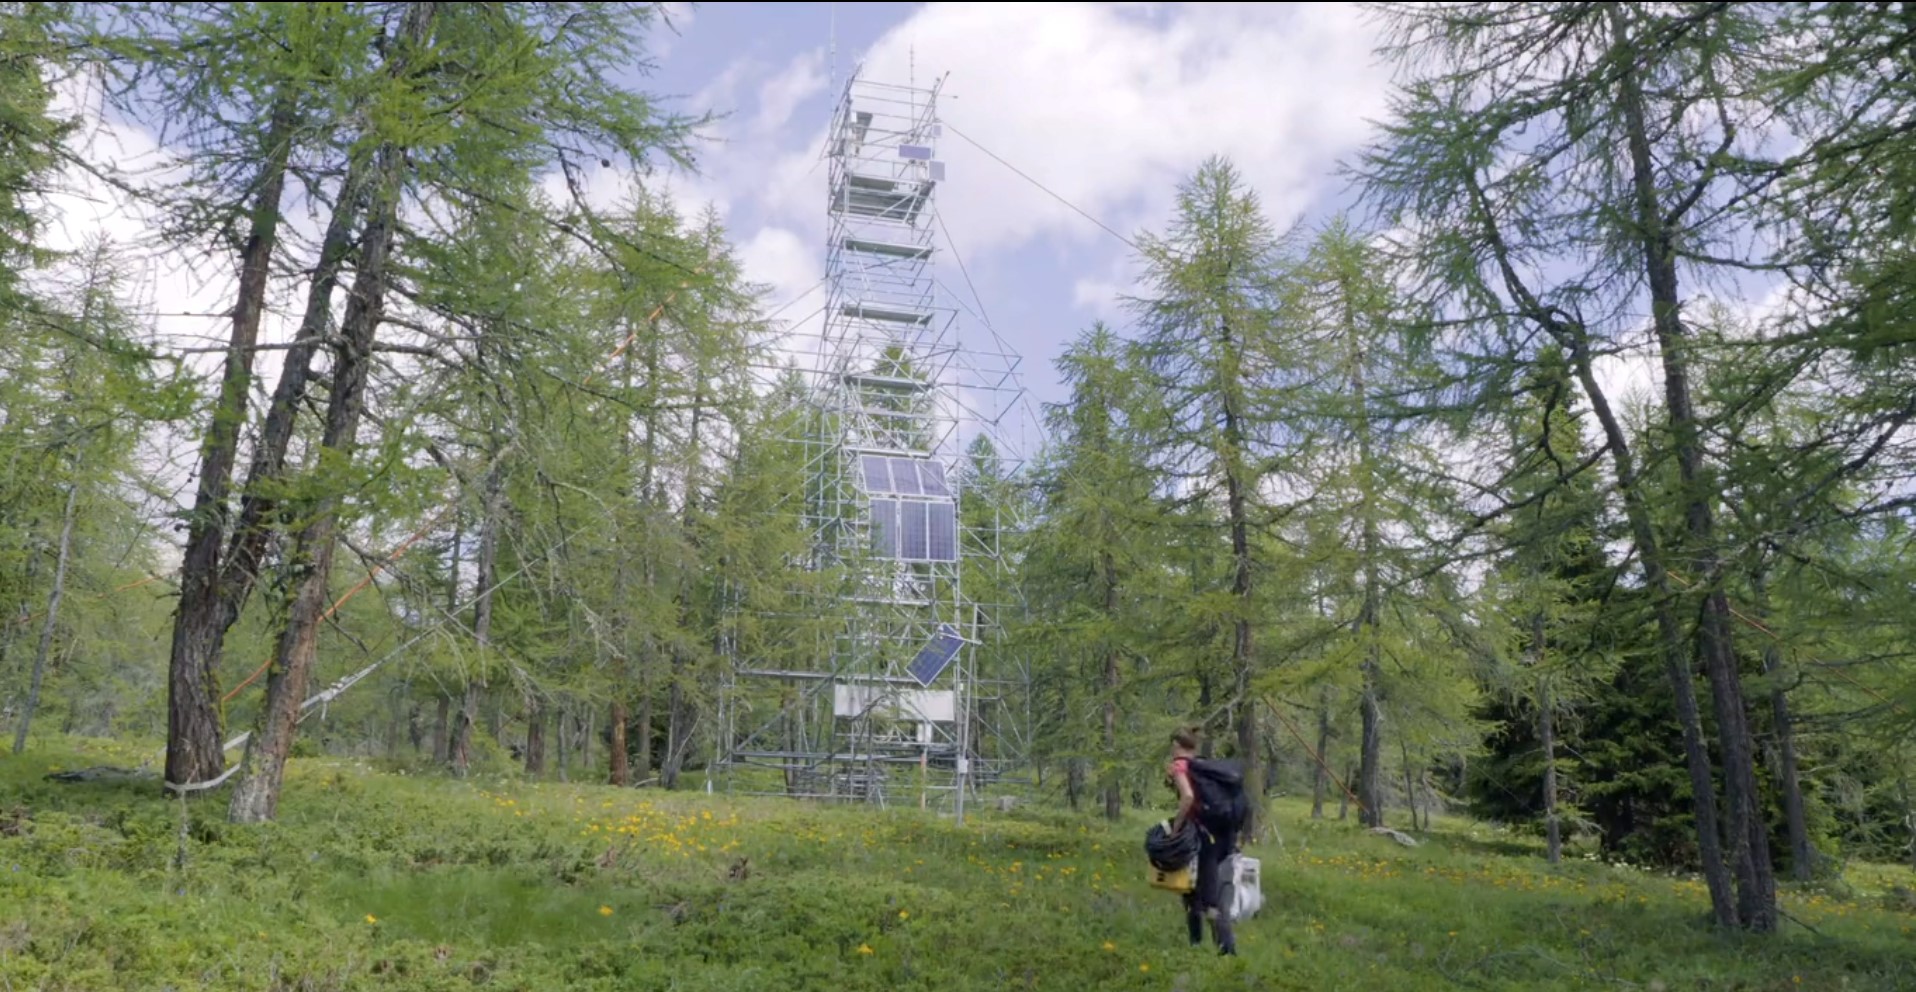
(906, 686)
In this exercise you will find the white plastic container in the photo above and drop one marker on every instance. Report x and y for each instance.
(1247, 893)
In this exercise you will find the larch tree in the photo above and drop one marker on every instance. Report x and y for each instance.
(1079, 566)
(1556, 164)
(249, 95)
(1213, 345)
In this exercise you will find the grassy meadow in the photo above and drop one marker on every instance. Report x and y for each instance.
(381, 880)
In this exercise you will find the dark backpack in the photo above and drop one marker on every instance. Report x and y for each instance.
(1219, 784)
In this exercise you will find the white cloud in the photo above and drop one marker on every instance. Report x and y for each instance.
(691, 194)
(1109, 107)
(782, 94)
(1101, 293)
(721, 95)
(779, 258)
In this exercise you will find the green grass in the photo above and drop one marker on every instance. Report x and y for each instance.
(376, 881)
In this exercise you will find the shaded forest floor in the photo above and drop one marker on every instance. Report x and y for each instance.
(387, 881)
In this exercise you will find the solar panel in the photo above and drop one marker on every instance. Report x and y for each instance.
(934, 658)
(904, 476)
(913, 536)
(885, 528)
(877, 474)
(944, 532)
(932, 475)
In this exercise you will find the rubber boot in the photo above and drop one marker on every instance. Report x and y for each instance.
(1222, 933)
(1194, 921)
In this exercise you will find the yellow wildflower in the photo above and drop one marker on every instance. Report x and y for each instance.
(865, 949)
(605, 911)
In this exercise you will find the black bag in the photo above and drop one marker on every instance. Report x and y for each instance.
(1219, 784)
(1170, 851)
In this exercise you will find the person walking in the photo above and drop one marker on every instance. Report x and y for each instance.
(1217, 821)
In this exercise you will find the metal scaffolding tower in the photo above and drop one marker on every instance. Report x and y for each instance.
(907, 691)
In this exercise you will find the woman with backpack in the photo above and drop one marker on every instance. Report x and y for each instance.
(1217, 824)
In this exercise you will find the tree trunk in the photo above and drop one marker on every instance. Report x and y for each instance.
(676, 729)
(1344, 797)
(1113, 785)
(645, 722)
(1206, 699)
(485, 579)
(1113, 801)
(1676, 656)
(1410, 782)
(415, 727)
(463, 721)
(52, 621)
(442, 731)
(1574, 339)
(648, 499)
(1074, 782)
(1749, 848)
(621, 774)
(447, 745)
(1243, 647)
(396, 727)
(535, 736)
(1803, 856)
(1547, 740)
(679, 720)
(9, 629)
(1370, 774)
(1547, 735)
(256, 797)
(193, 720)
(253, 534)
(1909, 814)
(1370, 789)
(788, 732)
(565, 770)
(1320, 773)
(1246, 716)
(585, 736)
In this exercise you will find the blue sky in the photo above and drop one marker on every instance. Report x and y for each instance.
(1108, 105)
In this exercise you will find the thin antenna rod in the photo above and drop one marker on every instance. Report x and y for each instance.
(831, 45)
